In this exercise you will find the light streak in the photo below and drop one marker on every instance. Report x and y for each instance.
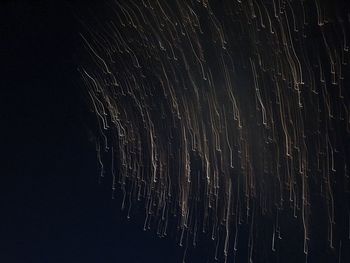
(224, 117)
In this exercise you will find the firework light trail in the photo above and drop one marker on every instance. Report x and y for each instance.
(227, 121)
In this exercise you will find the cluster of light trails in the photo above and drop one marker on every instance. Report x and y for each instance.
(224, 115)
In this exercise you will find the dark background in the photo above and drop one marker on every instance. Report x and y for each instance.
(52, 206)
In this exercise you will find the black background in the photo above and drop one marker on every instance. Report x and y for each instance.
(53, 205)
(53, 208)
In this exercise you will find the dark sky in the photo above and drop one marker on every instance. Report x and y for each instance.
(52, 207)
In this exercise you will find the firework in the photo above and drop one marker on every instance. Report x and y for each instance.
(226, 120)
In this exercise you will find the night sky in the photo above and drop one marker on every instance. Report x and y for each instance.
(54, 206)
